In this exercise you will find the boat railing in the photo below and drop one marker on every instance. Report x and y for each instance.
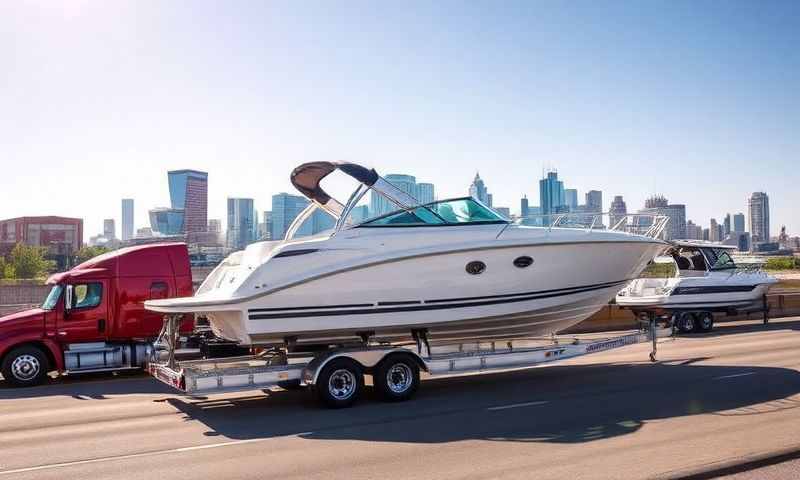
(647, 225)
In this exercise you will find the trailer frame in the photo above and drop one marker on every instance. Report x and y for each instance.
(278, 367)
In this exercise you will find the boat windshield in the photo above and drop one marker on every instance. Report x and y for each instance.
(457, 211)
(720, 259)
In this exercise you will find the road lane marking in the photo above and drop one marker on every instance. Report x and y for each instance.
(144, 454)
(734, 375)
(516, 405)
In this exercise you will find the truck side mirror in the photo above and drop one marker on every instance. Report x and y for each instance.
(68, 299)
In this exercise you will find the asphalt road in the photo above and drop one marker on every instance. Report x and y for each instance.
(724, 403)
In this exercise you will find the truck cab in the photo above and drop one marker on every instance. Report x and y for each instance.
(93, 318)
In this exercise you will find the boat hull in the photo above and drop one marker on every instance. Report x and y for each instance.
(734, 297)
(565, 284)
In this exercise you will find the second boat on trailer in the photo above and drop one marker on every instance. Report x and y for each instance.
(692, 281)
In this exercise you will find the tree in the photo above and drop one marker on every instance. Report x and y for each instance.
(29, 262)
(6, 269)
(87, 252)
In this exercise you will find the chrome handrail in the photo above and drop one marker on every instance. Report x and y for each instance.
(647, 225)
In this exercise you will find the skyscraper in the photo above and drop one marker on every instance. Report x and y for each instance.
(267, 233)
(758, 210)
(378, 204)
(551, 194)
(523, 207)
(726, 222)
(693, 232)
(594, 201)
(618, 210)
(425, 193)
(738, 223)
(571, 198)
(127, 218)
(713, 231)
(676, 226)
(188, 191)
(241, 223)
(478, 191)
(109, 229)
(285, 208)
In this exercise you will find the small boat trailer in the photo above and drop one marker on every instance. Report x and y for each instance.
(336, 374)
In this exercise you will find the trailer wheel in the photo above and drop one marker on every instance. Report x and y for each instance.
(396, 378)
(685, 322)
(705, 322)
(340, 383)
(25, 367)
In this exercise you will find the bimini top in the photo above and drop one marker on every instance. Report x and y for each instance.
(307, 177)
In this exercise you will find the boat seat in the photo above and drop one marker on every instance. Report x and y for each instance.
(683, 263)
(699, 262)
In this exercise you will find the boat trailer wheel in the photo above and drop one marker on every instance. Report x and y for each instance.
(399, 378)
(396, 378)
(342, 384)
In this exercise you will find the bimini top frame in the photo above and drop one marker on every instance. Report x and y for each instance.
(307, 177)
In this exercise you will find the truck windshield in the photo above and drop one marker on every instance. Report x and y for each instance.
(52, 297)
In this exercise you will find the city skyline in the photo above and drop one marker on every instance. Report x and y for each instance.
(630, 100)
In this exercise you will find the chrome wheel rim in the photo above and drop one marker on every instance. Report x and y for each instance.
(705, 321)
(342, 384)
(399, 378)
(25, 367)
(687, 323)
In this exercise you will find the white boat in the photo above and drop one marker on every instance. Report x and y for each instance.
(449, 270)
(697, 276)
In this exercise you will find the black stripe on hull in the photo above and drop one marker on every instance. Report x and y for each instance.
(428, 306)
(713, 289)
(519, 325)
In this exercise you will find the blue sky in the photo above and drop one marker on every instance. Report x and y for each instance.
(696, 100)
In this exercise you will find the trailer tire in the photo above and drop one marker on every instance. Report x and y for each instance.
(25, 366)
(685, 322)
(340, 383)
(704, 322)
(396, 377)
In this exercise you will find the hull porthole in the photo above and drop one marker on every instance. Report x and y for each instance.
(523, 261)
(476, 267)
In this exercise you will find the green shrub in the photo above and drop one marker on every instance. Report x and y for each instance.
(780, 263)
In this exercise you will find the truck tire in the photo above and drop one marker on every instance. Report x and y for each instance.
(686, 322)
(704, 322)
(396, 378)
(25, 367)
(340, 383)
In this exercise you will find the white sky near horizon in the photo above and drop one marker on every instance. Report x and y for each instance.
(698, 101)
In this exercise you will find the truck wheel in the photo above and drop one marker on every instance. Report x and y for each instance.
(340, 383)
(25, 367)
(396, 378)
(686, 323)
(705, 322)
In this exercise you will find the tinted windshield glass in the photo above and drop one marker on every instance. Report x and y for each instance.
(722, 260)
(445, 212)
(52, 297)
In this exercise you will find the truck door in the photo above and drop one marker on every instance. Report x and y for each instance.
(85, 313)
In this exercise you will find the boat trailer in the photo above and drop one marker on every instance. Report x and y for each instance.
(336, 374)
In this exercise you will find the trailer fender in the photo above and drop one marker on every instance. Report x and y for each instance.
(367, 358)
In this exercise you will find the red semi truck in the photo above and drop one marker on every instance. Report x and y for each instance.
(94, 319)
